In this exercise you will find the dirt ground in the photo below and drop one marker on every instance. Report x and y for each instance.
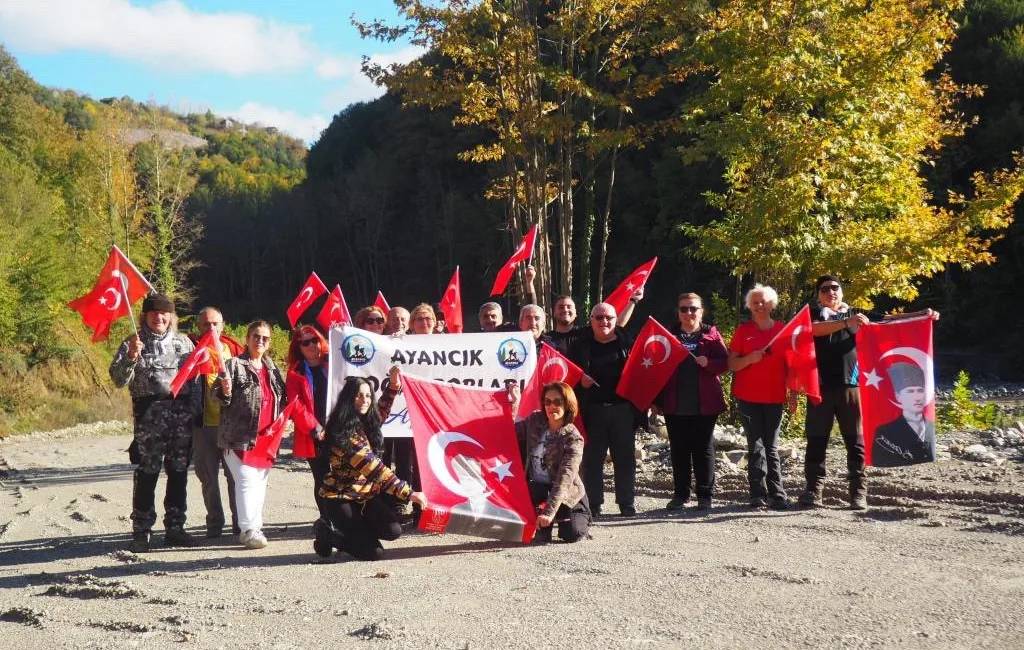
(938, 562)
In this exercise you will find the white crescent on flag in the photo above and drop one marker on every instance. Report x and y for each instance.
(924, 362)
(795, 336)
(557, 362)
(117, 298)
(436, 457)
(305, 296)
(661, 340)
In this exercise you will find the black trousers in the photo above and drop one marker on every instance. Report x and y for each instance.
(573, 523)
(842, 405)
(609, 426)
(761, 423)
(691, 443)
(319, 465)
(363, 525)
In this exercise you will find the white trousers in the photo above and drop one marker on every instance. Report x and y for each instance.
(250, 491)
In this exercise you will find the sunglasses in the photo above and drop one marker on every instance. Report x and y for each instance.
(603, 318)
(554, 402)
(687, 309)
(260, 339)
(829, 287)
(308, 342)
(378, 320)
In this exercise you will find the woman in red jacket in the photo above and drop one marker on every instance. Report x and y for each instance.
(307, 382)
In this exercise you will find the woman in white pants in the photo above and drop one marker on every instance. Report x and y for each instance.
(252, 391)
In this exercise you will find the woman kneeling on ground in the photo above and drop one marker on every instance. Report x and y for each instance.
(354, 486)
(553, 450)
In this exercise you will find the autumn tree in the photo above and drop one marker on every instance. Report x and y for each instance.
(824, 113)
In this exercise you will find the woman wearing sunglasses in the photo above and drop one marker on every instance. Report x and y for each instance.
(371, 319)
(252, 391)
(307, 383)
(691, 401)
(552, 453)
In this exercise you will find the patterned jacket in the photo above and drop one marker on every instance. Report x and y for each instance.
(240, 416)
(562, 457)
(357, 473)
(149, 379)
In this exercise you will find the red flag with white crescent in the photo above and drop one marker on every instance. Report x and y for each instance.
(469, 461)
(655, 356)
(117, 288)
(451, 304)
(522, 253)
(205, 359)
(313, 289)
(796, 341)
(638, 278)
(264, 450)
(551, 366)
(382, 303)
(897, 391)
(334, 313)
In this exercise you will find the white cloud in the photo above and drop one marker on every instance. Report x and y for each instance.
(357, 87)
(166, 35)
(305, 127)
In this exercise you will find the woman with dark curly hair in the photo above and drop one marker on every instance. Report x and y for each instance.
(357, 479)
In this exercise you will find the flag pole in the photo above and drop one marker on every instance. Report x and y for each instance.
(777, 334)
(124, 293)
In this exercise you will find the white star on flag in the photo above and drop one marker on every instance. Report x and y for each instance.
(502, 470)
(873, 379)
(647, 362)
(630, 286)
(103, 300)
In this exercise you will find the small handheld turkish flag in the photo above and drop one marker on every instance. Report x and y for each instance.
(522, 253)
(268, 443)
(551, 366)
(796, 341)
(117, 288)
(638, 278)
(313, 289)
(335, 311)
(654, 357)
(472, 475)
(382, 303)
(206, 359)
(451, 304)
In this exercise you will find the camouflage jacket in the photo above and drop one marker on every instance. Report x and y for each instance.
(150, 377)
(562, 457)
(240, 415)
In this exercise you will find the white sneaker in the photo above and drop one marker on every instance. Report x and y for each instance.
(253, 539)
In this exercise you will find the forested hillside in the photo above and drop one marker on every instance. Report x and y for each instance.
(732, 149)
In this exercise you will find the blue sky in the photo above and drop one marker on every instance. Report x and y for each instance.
(292, 64)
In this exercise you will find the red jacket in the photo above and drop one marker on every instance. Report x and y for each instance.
(304, 418)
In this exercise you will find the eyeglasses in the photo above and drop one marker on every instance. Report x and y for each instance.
(602, 317)
(554, 402)
(829, 287)
(260, 339)
(378, 320)
(308, 342)
(688, 309)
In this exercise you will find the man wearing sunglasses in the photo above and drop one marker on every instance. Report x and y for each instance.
(835, 345)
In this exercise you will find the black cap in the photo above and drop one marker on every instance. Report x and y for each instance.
(157, 302)
(827, 278)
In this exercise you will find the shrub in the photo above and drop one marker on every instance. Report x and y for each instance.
(961, 412)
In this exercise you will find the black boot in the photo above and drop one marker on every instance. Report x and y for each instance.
(179, 537)
(327, 538)
(140, 541)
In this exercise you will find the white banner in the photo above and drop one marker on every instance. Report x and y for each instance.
(481, 360)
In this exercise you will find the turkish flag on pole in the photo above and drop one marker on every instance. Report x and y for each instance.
(522, 253)
(118, 286)
(551, 366)
(638, 278)
(469, 461)
(313, 289)
(118, 265)
(382, 303)
(897, 391)
(796, 341)
(268, 443)
(451, 304)
(335, 311)
(206, 359)
(654, 357)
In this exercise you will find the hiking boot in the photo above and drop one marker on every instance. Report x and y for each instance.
(677, 503)
(627, 511)
(140, 541)
(758, 502)
(179, 537)
(213, 532)
(703, 503)
(811, 498)
(778, 503)
(858, 500)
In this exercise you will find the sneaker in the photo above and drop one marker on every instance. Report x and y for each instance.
(254, 539)
(627, 511)
(758, 502)
(810, 499)
(179, 537)
(858, 501)
(704, 503)
(778, 503)
(140, 541)
(676, 503)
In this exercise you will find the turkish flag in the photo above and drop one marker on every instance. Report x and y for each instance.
(522, 253)
(382, 303)
(796, 341)
(654, 357)
(313, 289)
(335, 311)
(268, 443)
(472, 475)
(638, 278)
(897, 391)
(117, 288)
(551, 367)
(451, 304)
(206, 359)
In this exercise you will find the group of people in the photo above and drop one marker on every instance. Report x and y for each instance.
(363, 484)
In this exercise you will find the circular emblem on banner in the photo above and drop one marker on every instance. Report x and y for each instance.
(357, 349)
(511, 354)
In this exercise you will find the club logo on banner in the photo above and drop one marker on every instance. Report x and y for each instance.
(897, 392)
(479, 360)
